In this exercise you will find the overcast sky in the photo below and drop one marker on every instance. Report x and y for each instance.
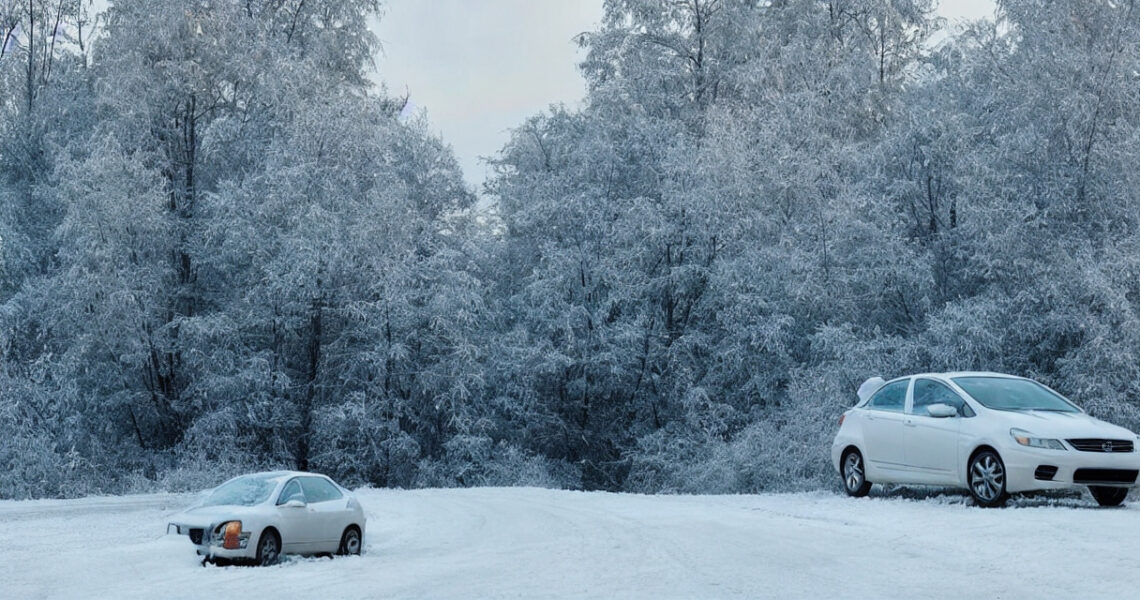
(480, 67)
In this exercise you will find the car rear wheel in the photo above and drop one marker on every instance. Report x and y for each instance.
(1108, 496)
(349, 542)
(987, 479)
(268, 548)
(854, 475)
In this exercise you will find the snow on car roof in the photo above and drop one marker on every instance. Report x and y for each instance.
(869, 387)
(280, 475)
(952, 374)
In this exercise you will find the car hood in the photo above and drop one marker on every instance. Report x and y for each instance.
(205, 516)
(1060, 425)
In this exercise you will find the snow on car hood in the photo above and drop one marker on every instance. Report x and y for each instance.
(1061, 425)
(205, 516)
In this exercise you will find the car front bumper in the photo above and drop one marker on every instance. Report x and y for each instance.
(1032, 469)
(211, 547)
(213, 552)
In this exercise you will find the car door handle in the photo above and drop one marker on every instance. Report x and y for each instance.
(910, 423)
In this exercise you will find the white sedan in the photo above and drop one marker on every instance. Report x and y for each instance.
(261, 516)
(990, 433)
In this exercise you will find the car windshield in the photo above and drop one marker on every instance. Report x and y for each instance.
(1003, 393)
(246, 490)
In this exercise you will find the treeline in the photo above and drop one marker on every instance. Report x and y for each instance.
(222, 249)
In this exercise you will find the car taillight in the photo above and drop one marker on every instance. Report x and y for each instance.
(841, 417)
(230, 539)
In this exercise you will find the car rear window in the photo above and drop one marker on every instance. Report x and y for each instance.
(1004, 393)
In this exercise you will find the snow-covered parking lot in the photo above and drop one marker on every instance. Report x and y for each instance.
(532, 543)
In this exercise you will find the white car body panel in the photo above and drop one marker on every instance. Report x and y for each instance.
(905, 448)
(932, 447)
(888, 456)
(312, 528)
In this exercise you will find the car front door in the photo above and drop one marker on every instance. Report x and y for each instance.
(298, 527)
(932, 442)
(327, 506)
(883, 426)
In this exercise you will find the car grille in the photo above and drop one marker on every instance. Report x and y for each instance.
(196, 536)
(1105, 476)
(1045, 472)
(1101, 445)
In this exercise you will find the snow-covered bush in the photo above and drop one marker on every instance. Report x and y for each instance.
(477, 460)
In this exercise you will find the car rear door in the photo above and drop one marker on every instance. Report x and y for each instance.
(883, 435)
(932, 442)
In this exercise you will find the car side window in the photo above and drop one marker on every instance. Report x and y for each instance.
(891, 398)
(318, 489)
(929, 391)
(292, 491)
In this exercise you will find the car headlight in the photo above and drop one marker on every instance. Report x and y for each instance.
(1025, 438)
(230, 536)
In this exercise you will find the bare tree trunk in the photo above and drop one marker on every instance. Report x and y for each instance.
(31, 53)
(303, 439)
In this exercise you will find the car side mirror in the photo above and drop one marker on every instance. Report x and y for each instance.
(941, 411)
(295, 503)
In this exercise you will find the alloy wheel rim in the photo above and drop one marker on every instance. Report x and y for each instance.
(352, 544)
(987, 478)
(853, 471)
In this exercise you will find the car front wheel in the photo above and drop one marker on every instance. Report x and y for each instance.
(1108, 496)
(855, 475)
(268, 548)
(987, 479)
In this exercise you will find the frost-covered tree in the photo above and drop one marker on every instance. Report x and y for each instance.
(249, 246)
(43, 104)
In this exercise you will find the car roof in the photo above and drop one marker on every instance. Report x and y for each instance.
(953, 374)
(277, 476)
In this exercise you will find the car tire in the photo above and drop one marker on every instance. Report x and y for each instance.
(986, 479)
(1108, 496)
(268, 548)
(854, 474)
(350, 542)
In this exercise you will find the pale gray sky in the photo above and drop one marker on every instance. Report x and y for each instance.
(966, 9)
(480, 67)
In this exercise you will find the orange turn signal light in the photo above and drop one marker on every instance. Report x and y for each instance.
(230, 539)
(841, 417)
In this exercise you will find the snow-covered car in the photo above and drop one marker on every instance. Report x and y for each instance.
(990, 433)
(259, 517)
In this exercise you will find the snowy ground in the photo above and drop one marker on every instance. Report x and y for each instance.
(530, 543)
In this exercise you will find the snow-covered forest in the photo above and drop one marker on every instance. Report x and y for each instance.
(223, 248)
